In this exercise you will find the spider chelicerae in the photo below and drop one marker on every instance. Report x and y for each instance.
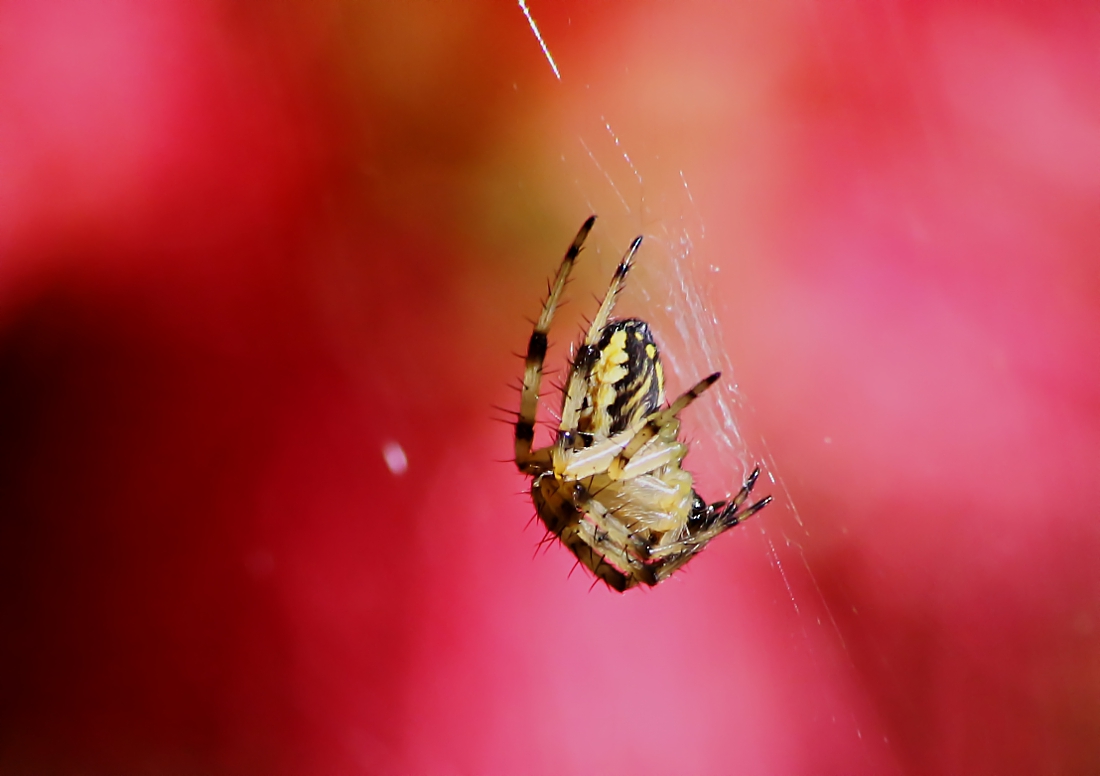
(610, 487)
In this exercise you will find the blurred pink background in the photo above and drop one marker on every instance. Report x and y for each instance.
(246, 250)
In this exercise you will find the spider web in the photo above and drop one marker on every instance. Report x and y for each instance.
(635, 188)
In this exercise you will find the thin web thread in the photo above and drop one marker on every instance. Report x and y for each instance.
(538, 36)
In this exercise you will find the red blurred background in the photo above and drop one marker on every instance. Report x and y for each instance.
(247, 249)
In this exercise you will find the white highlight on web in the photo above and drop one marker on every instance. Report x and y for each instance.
(538, 37)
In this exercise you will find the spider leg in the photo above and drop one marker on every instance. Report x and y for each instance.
(655, 455)
(708, 524)
(670, 565)
(588, 354)
(730, 516)
(615, 455)
(579, 536)
(599, 458)
(655, 423)
(594, 548)
(598, 540)
(589, 543)
(536, 354)
(617, 533)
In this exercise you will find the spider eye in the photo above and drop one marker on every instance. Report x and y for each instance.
(580, 493)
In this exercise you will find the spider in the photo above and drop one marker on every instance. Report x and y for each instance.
(610, 487)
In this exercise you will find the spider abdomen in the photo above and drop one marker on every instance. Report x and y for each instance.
(626, 383)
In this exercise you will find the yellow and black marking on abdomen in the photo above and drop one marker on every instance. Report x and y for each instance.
(625, 382)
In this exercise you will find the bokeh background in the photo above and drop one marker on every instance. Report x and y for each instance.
(262, 267)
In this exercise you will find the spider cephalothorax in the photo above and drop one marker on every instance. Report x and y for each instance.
(610, 486)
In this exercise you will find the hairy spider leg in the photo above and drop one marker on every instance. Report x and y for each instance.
(589, 541)
(579, 536)
(729, 516)
(597, 459)
(656, 422)
(609, 555)
(615, 454)
(676, 553)
(536, 354)
(671, 557)
(588, 354)
(594, 543)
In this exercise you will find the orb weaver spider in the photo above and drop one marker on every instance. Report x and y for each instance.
(610, 486)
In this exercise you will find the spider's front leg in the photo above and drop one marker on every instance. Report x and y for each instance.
(732, 514)
(706, 523)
